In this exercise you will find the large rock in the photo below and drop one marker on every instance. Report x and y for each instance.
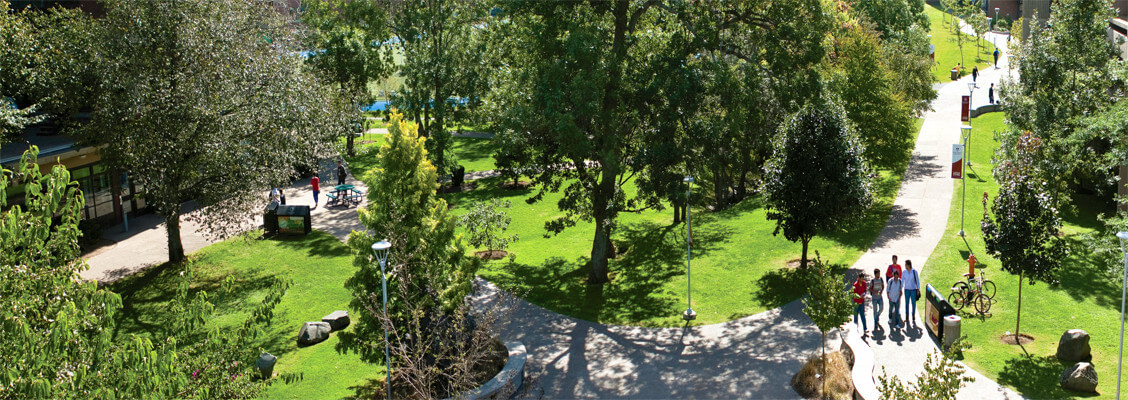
(337, 320)
(313, 333)
(265, 365)
(1074, 346)
(1081, 377)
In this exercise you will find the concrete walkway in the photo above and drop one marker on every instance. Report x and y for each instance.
(918, 222)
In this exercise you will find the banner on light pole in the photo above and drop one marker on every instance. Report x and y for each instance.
(965, 108)
(957, 161)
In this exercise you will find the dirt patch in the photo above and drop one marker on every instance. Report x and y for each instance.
(809, 381)
(794, 264)
(520, 185)
(1011, 340)
(491, 254)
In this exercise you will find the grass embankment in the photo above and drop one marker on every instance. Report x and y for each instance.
(318, 264)
(948, 52)
(1086, 298)
(738, 265)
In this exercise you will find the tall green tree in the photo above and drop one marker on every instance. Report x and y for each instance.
(207, 100)
(426, 254)
(882, 118)
(61, 338)
(350, 43)
(443, 47)
(581, 86)
(817, 180)
(46, 66)
(1023, 233)
(1069, 73)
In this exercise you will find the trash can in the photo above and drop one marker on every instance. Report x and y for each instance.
(951, 329)
(293, 220)
(935, 309)
(955, 74)
(270, 219)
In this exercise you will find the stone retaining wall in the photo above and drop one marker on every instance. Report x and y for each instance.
(860, 357)
(507, 382)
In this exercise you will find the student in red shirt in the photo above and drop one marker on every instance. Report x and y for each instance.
(894, 267)
(316, 183)
(860, 301)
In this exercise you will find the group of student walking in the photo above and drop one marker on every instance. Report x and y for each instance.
(898, 286)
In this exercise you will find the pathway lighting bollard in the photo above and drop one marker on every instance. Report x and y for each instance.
(380, 250)
(689, 314)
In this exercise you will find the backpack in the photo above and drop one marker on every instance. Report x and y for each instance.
(877, 285)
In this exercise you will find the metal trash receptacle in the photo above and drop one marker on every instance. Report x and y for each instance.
(293, 220)
(951, 329)
(270, 219)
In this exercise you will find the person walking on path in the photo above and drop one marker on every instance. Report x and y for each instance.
(860, 301)
(991, 93)
(876, 289)
(974, 73)
(996, 58)
(341, 173)
(315, 184)
(912, 291)
(893, 292)
(893, 268)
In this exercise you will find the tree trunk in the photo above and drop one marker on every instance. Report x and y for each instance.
(677, 214)
(351, 149)
(597, 274)
(803, 260)
(824, 360)
(1018, 313)
(175, 247)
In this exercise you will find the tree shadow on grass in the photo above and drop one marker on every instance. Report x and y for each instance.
(652, 256)
(316, 244)
(468, 150)
(488, 188)
(781, 286)
(1037, 377)
(1086, 276)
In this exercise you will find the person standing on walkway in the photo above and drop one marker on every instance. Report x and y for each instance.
(893, 292)
(996, 58)
(912, 291)
(341, 173)
(974, 73)
(315, 183)
(893, 268)
(876, 290)
(991, 93)
(860, 301)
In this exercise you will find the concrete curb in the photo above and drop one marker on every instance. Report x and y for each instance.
(508, 381)
(860, 357)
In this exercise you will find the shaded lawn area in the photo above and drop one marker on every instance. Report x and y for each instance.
(318, 264)
(738, 265)
(948, 52)
(1086, 297)
(473, 153)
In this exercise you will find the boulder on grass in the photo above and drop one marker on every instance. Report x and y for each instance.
(313, 333)
(1074, 346)
(337, 320)
(265, 365)
(1081, 377)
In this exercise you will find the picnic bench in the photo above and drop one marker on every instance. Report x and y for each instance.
(345, 195)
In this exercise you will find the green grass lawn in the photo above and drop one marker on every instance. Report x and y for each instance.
(737, 262)
(1086, 298)
(947, 51)
(473, 153)
(318, 264)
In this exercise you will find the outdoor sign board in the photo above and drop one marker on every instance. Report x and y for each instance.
(291, 224)
(965, 108)
(935, 309)
(957, 161)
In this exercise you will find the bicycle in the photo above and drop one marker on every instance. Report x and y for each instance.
(981, 295)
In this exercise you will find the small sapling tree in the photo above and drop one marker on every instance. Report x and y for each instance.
(486, 224)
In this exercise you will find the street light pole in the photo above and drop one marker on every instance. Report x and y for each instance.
(971, 92)
(1123, 236)
(689, 314)
(963, 175)
(380, 250)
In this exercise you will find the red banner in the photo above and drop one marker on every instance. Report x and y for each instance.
(957, 161)
(965, 109)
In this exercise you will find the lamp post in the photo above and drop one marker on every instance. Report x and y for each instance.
(996, 15)
(966, 133)
(689, 314)
(380, 250)
(1123, 236)
(970, 90)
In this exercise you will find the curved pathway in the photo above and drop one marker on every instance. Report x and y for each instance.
(752, 357)
(918, 222)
